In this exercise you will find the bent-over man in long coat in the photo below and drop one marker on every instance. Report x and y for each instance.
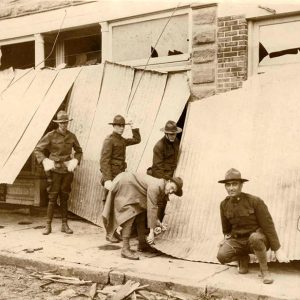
(131, 195)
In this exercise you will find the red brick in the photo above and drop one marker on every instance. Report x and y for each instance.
(231, 44)
(236, 69)
(242, 22)
(239, 48)
(231, 33)
(219, 55)
(239, 37)
(243, 31)
(230, 54)
(224, 49)
(221, 23)
(239, 27)
(221, 34)
(225, 39)
(243, 43)
(224, 29)
(230, 64)
(231, 23)
(242, 53)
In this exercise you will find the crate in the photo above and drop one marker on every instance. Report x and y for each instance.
(3, 191)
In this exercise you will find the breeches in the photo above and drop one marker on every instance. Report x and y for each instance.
(232, 249)
(60, 185)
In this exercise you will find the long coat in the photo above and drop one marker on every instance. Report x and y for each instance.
(132, 194)
(113, 154)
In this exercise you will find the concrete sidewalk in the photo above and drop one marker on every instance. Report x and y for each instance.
(86, 254)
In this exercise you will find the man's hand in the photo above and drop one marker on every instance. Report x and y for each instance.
(150, 237)
(48, 164)
(71, 164)
(281, 256)
(108, 184)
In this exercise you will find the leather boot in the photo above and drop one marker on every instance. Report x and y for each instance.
(126, 252)
(65, 228)
(112, 239)
(243, 264)
(47, 229)
(50, 211)
(262, 259)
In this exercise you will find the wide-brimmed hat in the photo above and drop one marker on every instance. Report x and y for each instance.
(62, 117)
(118, 120)
(233, 175)
(179, 183)
(171, 127)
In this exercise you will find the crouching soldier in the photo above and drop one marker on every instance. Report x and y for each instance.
(247, 227)
(59, 167)
(131, 197)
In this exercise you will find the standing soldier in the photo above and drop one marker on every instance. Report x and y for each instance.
(113, 154)
(165, 157)
(59, 167)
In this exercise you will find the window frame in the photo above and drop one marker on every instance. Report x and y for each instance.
(253, 40)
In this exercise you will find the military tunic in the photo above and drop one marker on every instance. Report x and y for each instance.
(60, 148)
(243, 216)
(113, 154)
(165, 154)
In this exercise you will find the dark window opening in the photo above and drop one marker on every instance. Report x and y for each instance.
(83, 51)
(18, 56)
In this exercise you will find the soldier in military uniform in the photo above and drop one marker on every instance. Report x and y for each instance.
(165, 157)
(113, 154)
(59, 167)
(247, 227)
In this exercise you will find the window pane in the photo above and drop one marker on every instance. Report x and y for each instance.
(134, 41)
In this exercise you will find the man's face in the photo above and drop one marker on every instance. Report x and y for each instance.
(170, 187)
(63, 126)
(171, 136)
(119, 129)
(233, 188)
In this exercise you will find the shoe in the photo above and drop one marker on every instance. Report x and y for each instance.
(243, 264)
(146, 248)
(65, 228)
(126, 253)
(266, 277)
(47, 229)
(112, 239)
(118, 236)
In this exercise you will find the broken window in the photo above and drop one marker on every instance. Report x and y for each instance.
(18, 56)
(279, 44)
(137, 40)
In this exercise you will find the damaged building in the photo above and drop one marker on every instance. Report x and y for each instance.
(153, 62)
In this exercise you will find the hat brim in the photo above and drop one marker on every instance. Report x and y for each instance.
(178, 130)
(228, 180)
(118, 124)
(62, 121)
(179, 193)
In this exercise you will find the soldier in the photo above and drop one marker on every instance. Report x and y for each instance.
(247, 227)
(113, 154)
(131, 197)
(165, 156)
(59, 167)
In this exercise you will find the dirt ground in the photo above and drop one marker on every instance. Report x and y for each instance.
(21, 284)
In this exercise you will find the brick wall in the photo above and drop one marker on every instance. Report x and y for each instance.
(232, 53)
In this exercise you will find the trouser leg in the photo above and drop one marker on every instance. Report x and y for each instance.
(126, 232)
(64, 197)
(258, 242)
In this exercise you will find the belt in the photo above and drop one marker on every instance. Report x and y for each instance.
(240, 235)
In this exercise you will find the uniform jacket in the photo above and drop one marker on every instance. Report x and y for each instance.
(245, 216)
(60, 148)
(113, 154)
(131, 194)
(165, 154)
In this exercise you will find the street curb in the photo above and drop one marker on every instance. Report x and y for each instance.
(116, 277)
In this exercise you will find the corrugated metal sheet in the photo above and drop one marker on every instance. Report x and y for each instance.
(256, 130)
(115, 90)
(176, 95)
(6, 77)
(143, 109)
(146, 109)
(20, 114)
(38, 122)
